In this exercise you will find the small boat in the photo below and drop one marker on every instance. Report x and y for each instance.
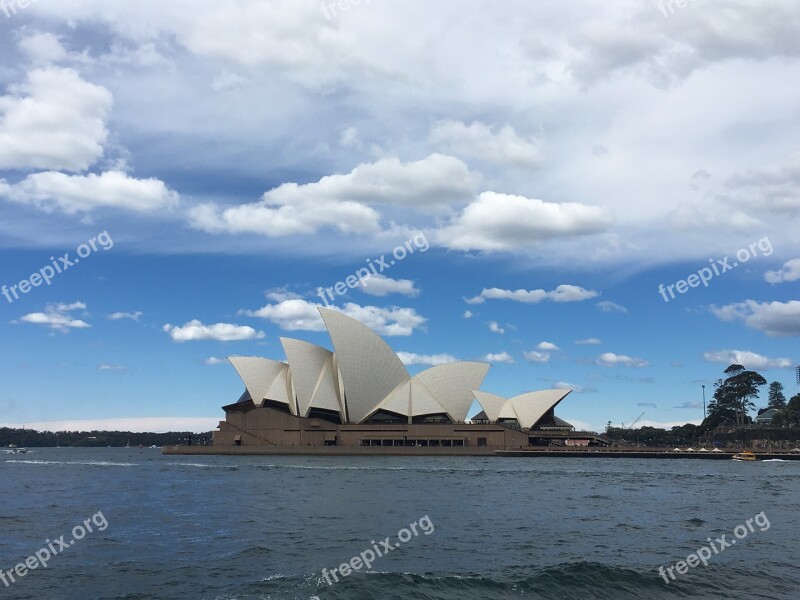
(745, 456)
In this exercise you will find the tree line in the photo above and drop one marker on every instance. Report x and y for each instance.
(731, 406)
(97, 439)
(734, 397)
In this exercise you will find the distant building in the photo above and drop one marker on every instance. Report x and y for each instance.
(361, 395)
(766, 417)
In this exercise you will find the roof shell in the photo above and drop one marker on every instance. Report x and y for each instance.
(369, 367)
(258, 375)
(452, 384)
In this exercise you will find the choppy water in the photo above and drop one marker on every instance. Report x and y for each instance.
(231, 528)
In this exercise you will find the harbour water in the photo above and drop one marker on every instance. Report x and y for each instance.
(235, 528)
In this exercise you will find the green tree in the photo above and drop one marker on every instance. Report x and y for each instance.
(776, 398)
(733, 398)
(791, 414)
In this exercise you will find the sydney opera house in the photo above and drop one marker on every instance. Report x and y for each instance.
(361, 397)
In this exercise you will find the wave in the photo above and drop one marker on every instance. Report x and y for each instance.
(573, 580)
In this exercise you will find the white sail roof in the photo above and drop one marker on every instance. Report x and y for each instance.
(532, 406)
(258, 375)
(452, 384)
(526, 408)
(369, 367)
(315, 381)
(491, 404)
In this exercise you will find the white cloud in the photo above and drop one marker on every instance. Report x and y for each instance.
(468, 314)
(589, 342)
(563, 293)
(213, 360)
(132, 424)
(749, 360)
(222, 332)
(343, 202)
(479, 141)
(789, 272)
(55, 120)
(501, 357)
(380, 285)
(536, 357)
(297, 314)
(547, 347)
(133, 316)
(281, 294)
(577, 389)
(82, 193)
(56, 316)
(771, 189)
(411, 358)
(608, 306)
(495, 328)
(43, 48)
(501, 222)
(776, 319)
(112, 368)
(609, 359)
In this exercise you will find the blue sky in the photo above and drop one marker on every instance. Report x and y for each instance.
(559, 162)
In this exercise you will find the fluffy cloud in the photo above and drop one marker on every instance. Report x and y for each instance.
(563, 293)
(298, 314)
(589, 342)
(82, 193)
(479, 141)
(380, 285)
(343, 202)
(213, 360)
(776, 319)
(55, 120)
(56, 316)
(535, 356)
(608, 306)
(410, 358)
(789, 272)
(609, 359)
(494, 327)
(750, 360)
(500, 357)
(547, 347)
(222, 332)
(497, 222)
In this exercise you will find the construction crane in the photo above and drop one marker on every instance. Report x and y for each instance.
(634, 422)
